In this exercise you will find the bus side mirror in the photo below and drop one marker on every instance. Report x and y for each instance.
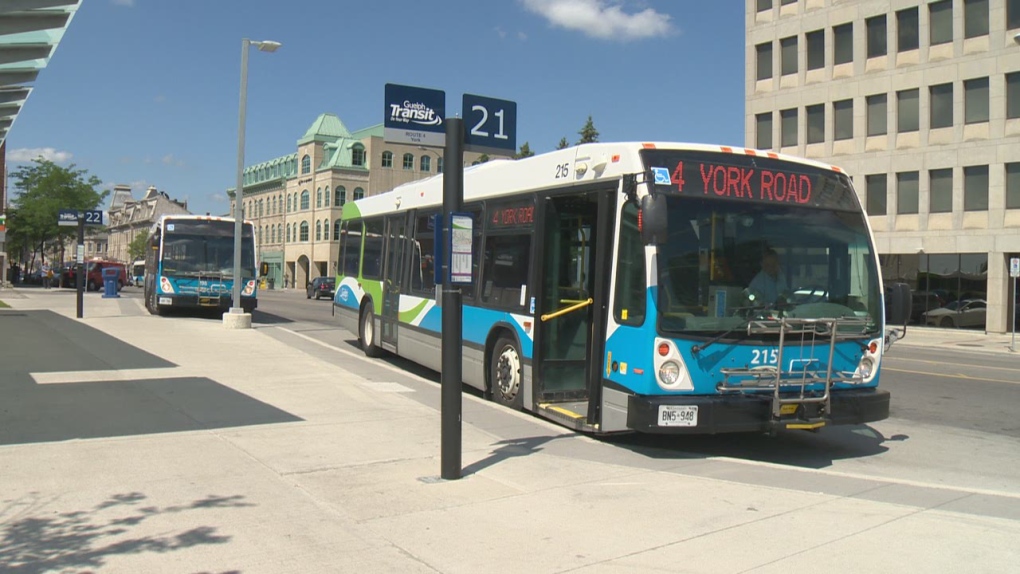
(652, 219)
(897, 303)
(263, 269)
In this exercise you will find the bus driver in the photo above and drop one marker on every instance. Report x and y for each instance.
(769, 284)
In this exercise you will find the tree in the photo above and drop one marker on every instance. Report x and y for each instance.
(563, 144)
(525, 151)
(136, 249)
(588, 133)
(44, 188)
(481, 159)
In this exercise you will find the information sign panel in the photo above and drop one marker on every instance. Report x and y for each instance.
(460, 247)
(1014, 266)
(414, 115)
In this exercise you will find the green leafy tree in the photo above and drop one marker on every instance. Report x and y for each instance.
(481, 159)
(136, 249)
(588, 133)
(525, 151)
(41, 190)
(563, 144)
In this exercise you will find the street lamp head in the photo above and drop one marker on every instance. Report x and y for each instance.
(267, 45)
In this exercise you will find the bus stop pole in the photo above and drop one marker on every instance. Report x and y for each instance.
(79, 276)
(453, 199)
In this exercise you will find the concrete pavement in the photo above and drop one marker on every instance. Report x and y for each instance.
(132, 443)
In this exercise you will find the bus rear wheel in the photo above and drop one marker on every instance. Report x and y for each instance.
(506, 374)
(366, 334)
(151, 304)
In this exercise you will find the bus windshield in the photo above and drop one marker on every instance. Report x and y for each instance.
(726, 262)
(205, 248)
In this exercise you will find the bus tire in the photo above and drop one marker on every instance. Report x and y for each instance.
(153, 306)
(367, 334)
(506, 375)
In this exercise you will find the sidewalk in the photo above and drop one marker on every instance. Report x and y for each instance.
(202, 449)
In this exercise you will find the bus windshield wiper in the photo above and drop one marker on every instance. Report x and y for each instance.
(698, 348)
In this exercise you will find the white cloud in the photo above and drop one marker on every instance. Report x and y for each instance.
(218, 197)
(603, 19)
(123, 2)
(169, 159)
(29, 154)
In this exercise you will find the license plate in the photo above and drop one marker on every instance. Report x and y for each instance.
(678, 415)
(165, 301)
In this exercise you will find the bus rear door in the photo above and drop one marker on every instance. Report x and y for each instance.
(394, 263)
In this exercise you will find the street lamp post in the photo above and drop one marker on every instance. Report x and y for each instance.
(237, 318)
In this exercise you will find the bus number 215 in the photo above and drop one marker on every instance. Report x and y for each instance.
(763, 356)
(562, 170)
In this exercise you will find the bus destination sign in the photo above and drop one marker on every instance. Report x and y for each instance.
(511, 216)
(750, 178)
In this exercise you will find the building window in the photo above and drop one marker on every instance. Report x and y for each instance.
(815, 49)
(426, 163)
(764, 59)
(1012, 14)
(288, 233)
(877, 36)
(325, 198)
(272, 234)
(787, 2)
(788, 127)
(305, 199)
(975, 101)
(764, 5)
(788, 55)
(1013, 95)
(359, 193)
(843, 44)
(815, 124)
(304, 231)
(318, 230)
(325, 230)
(358, 156)
(975, 188)
(940, 190)
(336, 230)
(387, 159)
(940, 22)
(906, 192)
(1013, 185)
(306, 164)
(341, 195)
(843, 120)
(408, 161)
(439, 165)
(763, 130)
(876, 193)
(289, 204)
(941, 106)
(907, 37)
(877, 114)
(907, 111)
(975, 18)
(318, 198)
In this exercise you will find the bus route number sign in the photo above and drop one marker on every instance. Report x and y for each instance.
(490, 125)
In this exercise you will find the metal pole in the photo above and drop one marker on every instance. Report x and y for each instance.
(235, 306)
(453, 198)
(79, 276)
(1012, 344)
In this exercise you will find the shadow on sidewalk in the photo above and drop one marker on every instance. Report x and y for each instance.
(71, 401)
(792, 448)
(35, 538)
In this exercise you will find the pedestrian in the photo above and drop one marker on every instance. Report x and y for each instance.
(47, 275)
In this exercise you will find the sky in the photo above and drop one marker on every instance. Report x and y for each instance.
(145, 92)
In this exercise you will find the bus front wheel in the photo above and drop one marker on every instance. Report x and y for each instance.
(367, 333)
(505, 374)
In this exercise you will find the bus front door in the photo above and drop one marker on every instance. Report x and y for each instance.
(570, 300)
(396, 239)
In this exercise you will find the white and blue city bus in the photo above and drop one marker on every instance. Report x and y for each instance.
(189, 264)
(138, 272)
(614, 288)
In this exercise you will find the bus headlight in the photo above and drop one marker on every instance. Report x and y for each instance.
(249, 288)
(867, 368)
(165, 285)
(669, 373)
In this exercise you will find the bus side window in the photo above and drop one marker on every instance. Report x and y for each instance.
(371, 265)
(423, 256)
(630, 297)
(352, 248)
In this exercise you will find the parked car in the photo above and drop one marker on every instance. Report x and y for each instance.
(94, 274)
(921, 302)
(321, 287)
(965, 313)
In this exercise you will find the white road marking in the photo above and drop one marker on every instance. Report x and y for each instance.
(63, 377)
